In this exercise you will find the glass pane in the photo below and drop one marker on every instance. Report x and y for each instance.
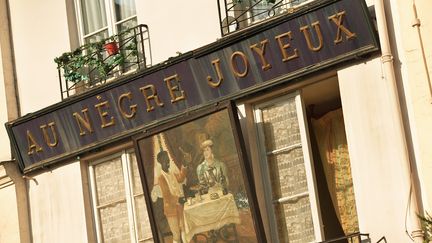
(261, 10)
(124, 9)
(93, 15)
(294, 3)
(141, 215)
(109, 181)
(96, 37)
(142, 219)
(127, 25)
(295, 221)
(289, 175)
(129, 42)
(136, 179)
(287, 172)
(281, 127)
(115, 223)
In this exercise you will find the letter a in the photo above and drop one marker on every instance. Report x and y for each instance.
(32, 144)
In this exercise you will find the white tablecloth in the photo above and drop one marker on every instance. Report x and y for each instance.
(208, 214)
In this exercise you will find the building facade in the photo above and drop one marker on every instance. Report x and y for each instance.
(316, 111)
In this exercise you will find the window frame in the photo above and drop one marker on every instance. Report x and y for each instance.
(124, 152)
(307, 157)
(110, 17)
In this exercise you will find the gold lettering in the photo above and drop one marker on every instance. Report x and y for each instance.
(103, 114)
(305, 30)
(216, 65)
(261, 52)
(338, 20)
(32, 144)
(47, 137)
(83, 121)
(172, 88)
(153, 95)
(283, 47)
(133, 108)
(234, 67)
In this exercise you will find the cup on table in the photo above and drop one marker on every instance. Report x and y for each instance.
(190, 201)
(198, 197)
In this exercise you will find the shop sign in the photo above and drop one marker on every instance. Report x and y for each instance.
(323, 35)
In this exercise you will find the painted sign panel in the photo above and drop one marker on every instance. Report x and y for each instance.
(320, 36)
(201, 180)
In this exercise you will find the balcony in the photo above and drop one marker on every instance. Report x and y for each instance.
(239, 14)
(94, 64)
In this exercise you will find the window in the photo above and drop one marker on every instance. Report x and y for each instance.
(119, 207)
(99, 19)
(302, 162)
(288, 172)
(239, 14)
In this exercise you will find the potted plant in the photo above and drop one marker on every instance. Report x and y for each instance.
(94, 62)
(73, 64)
(111, 46)
(79, 64)
(101, 65)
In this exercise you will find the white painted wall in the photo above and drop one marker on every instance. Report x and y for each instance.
(381, 184)
(40, 33)
(9, 227)
(57, 206)
(178, 25)
(415, 83)
(9, 216)
(4, 141)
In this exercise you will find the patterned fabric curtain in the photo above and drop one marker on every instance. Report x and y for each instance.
(333, 149)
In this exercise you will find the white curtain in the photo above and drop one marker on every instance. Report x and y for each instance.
(124, 9)
(93, 15)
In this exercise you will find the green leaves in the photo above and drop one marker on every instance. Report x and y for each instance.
(78, 64)
(426, 223)
(95, 62)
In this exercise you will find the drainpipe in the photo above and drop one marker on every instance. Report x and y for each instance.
(22, 199)
(416, 24)
(7, 56)
(389, 75)
(13, 112)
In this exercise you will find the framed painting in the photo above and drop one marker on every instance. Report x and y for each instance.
(197, 181)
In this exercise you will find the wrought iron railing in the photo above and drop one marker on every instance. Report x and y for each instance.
(351, 238)
(96, 63)
(238, 14)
